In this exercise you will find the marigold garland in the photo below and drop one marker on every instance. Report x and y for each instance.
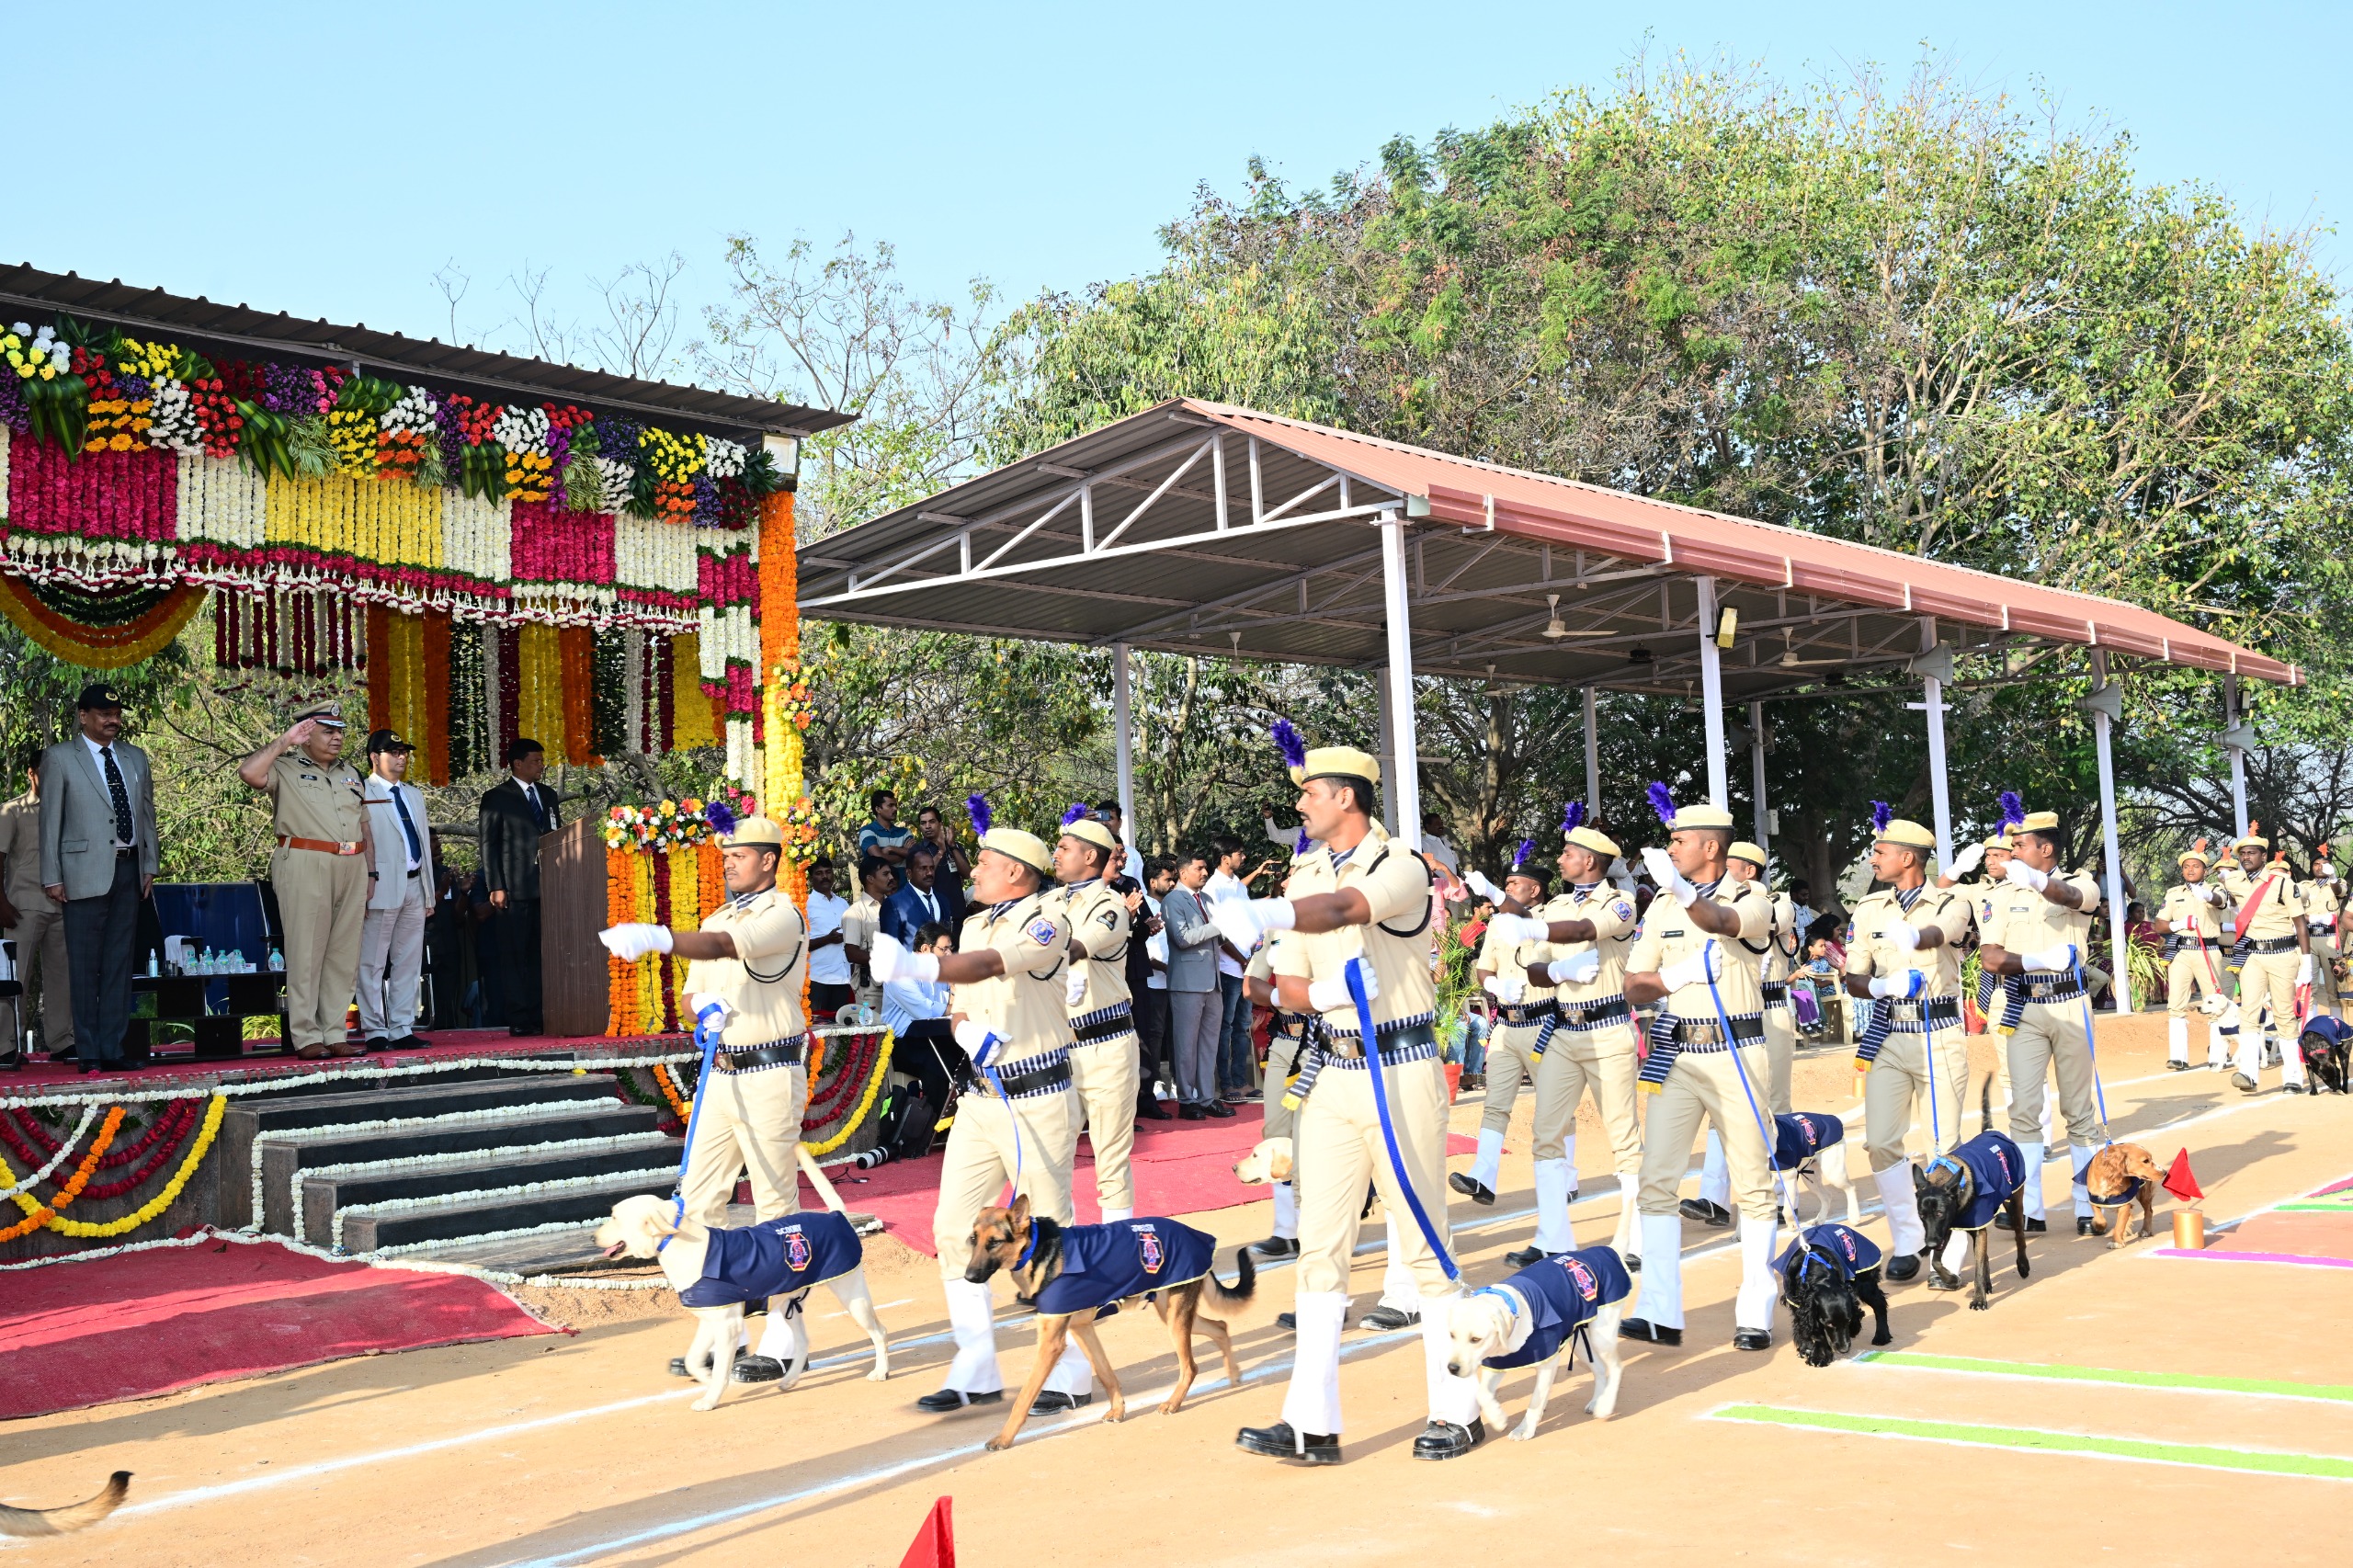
(857, 1118)
(37, 1214)
(679, 1107)
(163, 1200)
(99, 648)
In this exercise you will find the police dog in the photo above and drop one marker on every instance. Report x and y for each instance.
(2119, 1177)
(1800, 1151)
(1029, 1248)
(2325, 1045)
(1827, 1293)
(639, 1227)
(72, 1517)
(1485, 1325)
(1270, 1160)
(1949, 1188)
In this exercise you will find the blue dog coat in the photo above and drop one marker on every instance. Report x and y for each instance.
(1996, 1169)
(1849, 1250)
(1797, 1139)
(1561, 1293)
(1103, 1263)
(775, 1257)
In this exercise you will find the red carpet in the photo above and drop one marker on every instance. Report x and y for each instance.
(145, 1322)
(1180, 1167)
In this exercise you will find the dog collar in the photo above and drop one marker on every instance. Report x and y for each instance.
(677, 1217)
(1029, 1248)
(1946, 1162)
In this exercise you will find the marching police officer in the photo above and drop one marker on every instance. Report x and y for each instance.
(2191, 919)
(743, 979)
(1523, 1016)
(1018, 1122)
(1983, 892)
(1103, 1061)
(1745, 862)
(2324, 898)
(1361, 910)
(320, 872)
(2271, 927)
(1906, 960)
(1707, 1064)
(2037, 938)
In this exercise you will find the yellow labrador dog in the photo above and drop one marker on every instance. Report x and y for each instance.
(1534, 1319)
(1270, 1160)
(716, 1272)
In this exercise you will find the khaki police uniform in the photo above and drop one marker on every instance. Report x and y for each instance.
(2050, 1037)
(39, 933)
(1773, 965)
(1103, 1063)
(1592, 1049)
(861, 922)
(752, 1108)
(1511, 1047)
(1922, 1069)
(2324, 909)
(2195, 967)
(320, 875)
(2271, 912)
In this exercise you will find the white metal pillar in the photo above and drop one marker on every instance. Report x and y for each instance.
(1592, 755)
(1123, 726)
(2230, 727)
(1712, 697)
(1388, 753)
(1932, 699)
(2105, 702)
(1757, 774)
(1404, 786)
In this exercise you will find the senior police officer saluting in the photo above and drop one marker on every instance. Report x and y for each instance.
(1524, 1013)
(2191, 922)
(2037, 938)
(1362, 905)
(1906, 957)
(320, 872)
(2278, 944)
(1707, 1062)
(745, 980)
(1102, 1017)
(1018, 1121)
(1745, 862)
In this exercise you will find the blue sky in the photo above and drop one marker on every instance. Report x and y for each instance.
(329, 160)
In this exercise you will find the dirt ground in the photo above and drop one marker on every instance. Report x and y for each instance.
(580, 1450)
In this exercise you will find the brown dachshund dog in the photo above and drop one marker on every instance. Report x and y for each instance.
(2119, 1177)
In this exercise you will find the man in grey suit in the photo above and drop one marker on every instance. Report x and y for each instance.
(99, 856)
(1196, 1005)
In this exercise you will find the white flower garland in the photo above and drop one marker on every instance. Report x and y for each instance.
(89, 1114)
(411, 1165)
(411, 1070)
(477, 536)
(486, 1236)
(521, 1190)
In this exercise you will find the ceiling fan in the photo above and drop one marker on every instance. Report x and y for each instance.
(1790, 660)
(1556, 629)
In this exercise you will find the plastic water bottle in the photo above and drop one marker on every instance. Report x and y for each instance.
(276, 962)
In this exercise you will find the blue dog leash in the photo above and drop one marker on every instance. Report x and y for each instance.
(1724, 1021)
(989, 1072)
(707, 1036)
(1354, 974)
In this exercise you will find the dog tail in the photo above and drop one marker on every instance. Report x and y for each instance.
(64, 1521)
(1221, 1294)
(1986, 1105)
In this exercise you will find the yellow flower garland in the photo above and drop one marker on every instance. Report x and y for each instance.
(171, 1191)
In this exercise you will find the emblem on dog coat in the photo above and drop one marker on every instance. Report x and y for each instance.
(1996, 1169)
(1797, 1139)
(775, 1257)
(1563, 1291)
(1102, 1264)
(1845, 1248)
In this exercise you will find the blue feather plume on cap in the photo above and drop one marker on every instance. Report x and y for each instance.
(1662, 802)
(1519, 856)
(1572, 818)
(721, 820)
(1077, 810)
(1881, 815)
(1286, 741)
(2012, 809)
(977, 806)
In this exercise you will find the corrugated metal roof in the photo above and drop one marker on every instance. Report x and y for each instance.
(202, 324)
(1497, 547)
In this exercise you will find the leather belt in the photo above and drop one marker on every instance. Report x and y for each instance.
(1528, 1012)
(751, 1058)
(1925, 1009)
(324, 846)
(2272, 945)
(2051, 987)
(1776, 993)
(1576, 1017)
(1043, 1080)
(1693, 1033)
(1405, 1041)
(1120, 1024)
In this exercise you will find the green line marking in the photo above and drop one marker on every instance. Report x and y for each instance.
(2317, 1206)
(2315, 1467)
(2264, 1388)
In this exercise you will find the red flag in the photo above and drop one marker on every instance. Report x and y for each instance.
(2179, 1182)
(935, 1544)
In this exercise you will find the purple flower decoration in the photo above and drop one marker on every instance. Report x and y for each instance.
(976, 806)
(1573, 818)
(2012, 809)
(1078, 812)
(1881, 815)
(1286, 741)
(1519, 856)
(721, 820)
(13, 412)
(1662, 802)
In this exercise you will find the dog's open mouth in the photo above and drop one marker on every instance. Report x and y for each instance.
(617, 1249)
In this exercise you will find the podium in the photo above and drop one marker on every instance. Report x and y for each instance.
(574, 983)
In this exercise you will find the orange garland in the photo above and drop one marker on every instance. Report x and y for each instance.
(380, 666)
(98, 647)
(620, 983)
(579, 653)
(779, 610)
(669, 1091)
(436, 739)
(73, 1188)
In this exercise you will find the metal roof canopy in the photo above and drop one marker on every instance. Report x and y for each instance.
(244, 331)
(1199, 528)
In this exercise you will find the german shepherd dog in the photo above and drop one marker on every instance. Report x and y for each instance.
(999, 1239)
(67, 1520)
(1826, 1301)
(1947, 1190)
(2111, 1179)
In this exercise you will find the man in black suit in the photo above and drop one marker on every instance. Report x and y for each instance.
(926, 900)
(516, 814)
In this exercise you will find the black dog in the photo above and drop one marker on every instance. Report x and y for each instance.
(1828, 1276)
(1965, 1192)
(2326, 1043)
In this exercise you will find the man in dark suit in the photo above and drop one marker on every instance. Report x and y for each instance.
(516, 813)
(99, 856)
(925, 899)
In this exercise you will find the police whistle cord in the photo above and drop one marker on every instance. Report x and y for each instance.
(707, 1036)
(1732, 1043)
(1354, 973)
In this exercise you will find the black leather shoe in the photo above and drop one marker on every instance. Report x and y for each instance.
(678, 1364)
(1903, 1270)
(1218, 1109)
(1648, 1332)
(2176, 1066)
(1287, 1320)
(1052, 1401)
(1279, 1442)
(376, 1042)
(1385, 1319)
(1276, 1246)
(2037, 1227)
(1191, 1113)
(1445, 1440)
(2083, 1225)
(2244, 1084)
(411, 1042)
(1149, 1111)
(758, 1369)
(1476, 1191)
(948, 1401)
(1706, 1213)
(1752, 1339)
(2292, 1088)
(1526, 1258)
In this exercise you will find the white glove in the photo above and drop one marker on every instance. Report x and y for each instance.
(1244, 921)
(1518, 928)
(1477, 881)
(2060, 957)
(1667, 879)
(1331, 996)
(1696, 969)
(1902, 936)
(978, 1042)
(711, 1011)
(2020, 874)
(887, 960)
(2212, 894)
(1902, 986)
(2322, 871)
(2305, 969)
(633, 942)
(1576, 969)
(1966, 861)
(1074, 988)
(2326, 917)
(1507, 992)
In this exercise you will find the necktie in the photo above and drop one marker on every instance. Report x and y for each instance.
(408, 829)
(123, 832)
(539, 813)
